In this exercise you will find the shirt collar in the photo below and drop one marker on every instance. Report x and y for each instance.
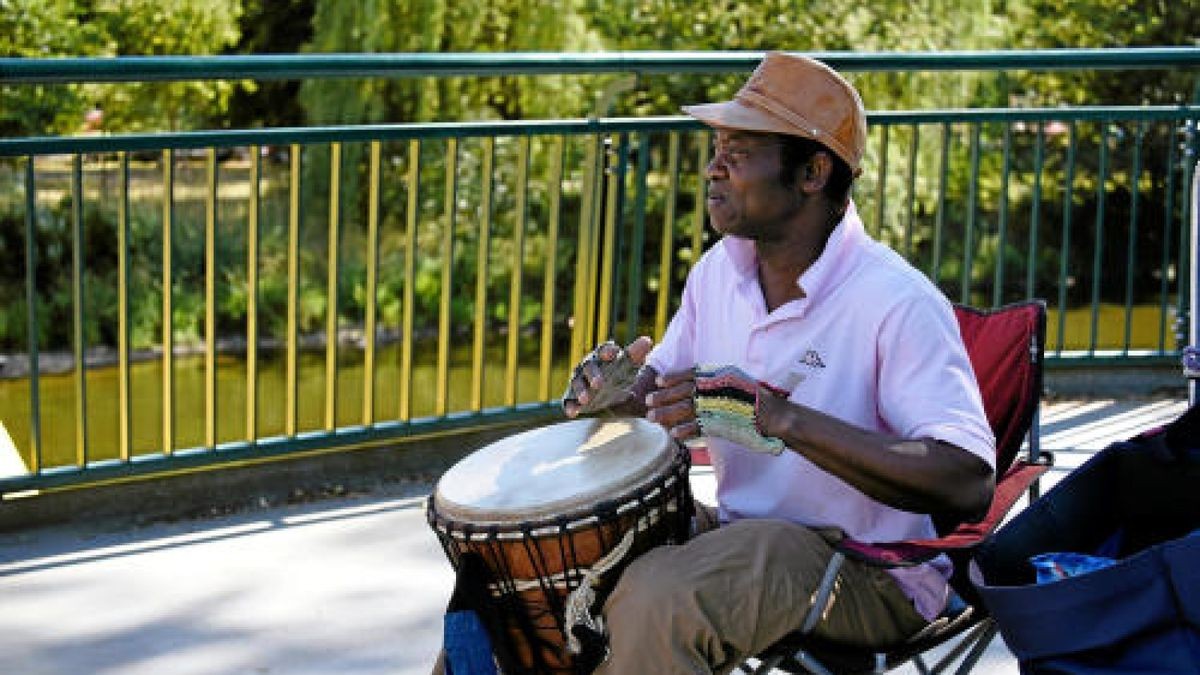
(834, 263)
(824, 273)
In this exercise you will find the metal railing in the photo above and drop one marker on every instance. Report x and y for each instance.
(396, 281)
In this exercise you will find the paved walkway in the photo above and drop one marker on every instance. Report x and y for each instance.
(346, 586)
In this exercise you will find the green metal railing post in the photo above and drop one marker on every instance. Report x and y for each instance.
(881, 182)
(1131, 248)
(972, 215)
(1035, 215)
(913, 148)
(1164, 287)
(1098, 250)
(939, 226)
(1065, 253)
(1002, 233)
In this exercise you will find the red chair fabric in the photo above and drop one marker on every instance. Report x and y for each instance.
(1005, 347)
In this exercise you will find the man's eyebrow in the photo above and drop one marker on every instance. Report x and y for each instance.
(739, 135)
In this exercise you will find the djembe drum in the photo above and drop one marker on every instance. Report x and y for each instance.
(555, 514)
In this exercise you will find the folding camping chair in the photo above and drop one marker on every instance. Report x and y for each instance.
(1005, 346)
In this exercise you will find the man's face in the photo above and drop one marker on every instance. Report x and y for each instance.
(746, 197)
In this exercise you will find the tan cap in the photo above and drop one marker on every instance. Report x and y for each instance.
(795, 95)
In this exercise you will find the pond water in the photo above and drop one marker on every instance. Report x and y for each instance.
(58, 398)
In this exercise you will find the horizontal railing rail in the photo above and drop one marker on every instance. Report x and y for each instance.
(309, 66)
(360, 133)
(239, 295)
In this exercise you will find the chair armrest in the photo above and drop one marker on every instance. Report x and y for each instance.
(912, 552)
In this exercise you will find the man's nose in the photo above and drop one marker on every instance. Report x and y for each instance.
(716, 166)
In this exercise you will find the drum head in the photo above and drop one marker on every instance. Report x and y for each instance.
(554, 470)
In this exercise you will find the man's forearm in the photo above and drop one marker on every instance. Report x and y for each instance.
(921, 475)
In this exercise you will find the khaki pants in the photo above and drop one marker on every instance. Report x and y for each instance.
(707, 605)
(731, 592)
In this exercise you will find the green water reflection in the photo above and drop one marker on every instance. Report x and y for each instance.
(58, 398)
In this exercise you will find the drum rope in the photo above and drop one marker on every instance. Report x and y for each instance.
(579, 603)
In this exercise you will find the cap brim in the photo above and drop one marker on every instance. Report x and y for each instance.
(742, 117)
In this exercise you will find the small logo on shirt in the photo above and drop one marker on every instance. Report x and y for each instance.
(812, 359)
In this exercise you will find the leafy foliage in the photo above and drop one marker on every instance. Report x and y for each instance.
(47, 28)
(44, 28)
(185, 27)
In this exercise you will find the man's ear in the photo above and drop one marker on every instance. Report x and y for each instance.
(816, 172)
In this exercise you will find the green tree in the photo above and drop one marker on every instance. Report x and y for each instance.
(1108, 24)
(432, 26)
(44, 28)
(50, 28)
(167, 28)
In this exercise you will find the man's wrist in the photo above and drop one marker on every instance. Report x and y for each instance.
(782, 419)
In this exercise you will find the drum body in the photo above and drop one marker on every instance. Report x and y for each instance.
(554, 509)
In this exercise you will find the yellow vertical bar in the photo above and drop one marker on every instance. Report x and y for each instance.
(252, 297)
(667, 252)
(594, 232)
(481, 275)
(80, 375)
(368, 413)
(210, 304)
(443, 348)
(168, 342)
(31, 324)
(291, 398)
(550, 273)
(410, 267)
(556, 169)
(580, 335)
(518, 264)
(124, 405)
(331, 304)
(605, 274)
(701, 189)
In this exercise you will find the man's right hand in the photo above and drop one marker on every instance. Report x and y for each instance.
(608, 379)
(673, 404)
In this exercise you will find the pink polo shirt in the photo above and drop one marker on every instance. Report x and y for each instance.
(873, 343)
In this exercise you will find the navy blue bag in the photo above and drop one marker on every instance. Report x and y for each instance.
(1137, 501)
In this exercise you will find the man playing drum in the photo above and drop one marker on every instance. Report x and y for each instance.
(860, 414)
